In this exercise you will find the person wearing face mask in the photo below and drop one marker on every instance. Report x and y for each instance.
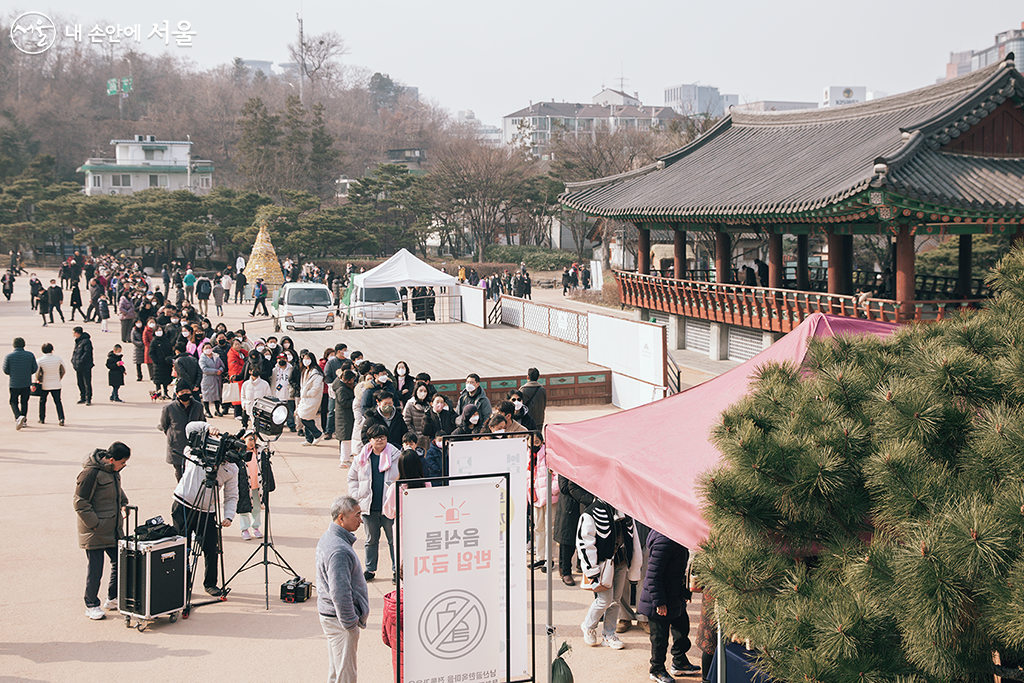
(139, 348)
(415, 412)
(253, 389)
(236, 374)
(520, 412)
(440, 418)
(382, 382)
(434, 458)
(474, 395)
(344, 394)
(404, 384)
(334, 361)
(470, 421)
(147, 340)
(281, 378)
(161, 354)
(387, 416)
(211, 385)
(186, 366)
(373, 471)
(508, 410)
(311, 383)
(173, 419)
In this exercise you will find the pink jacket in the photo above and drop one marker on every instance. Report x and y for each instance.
(540, 481)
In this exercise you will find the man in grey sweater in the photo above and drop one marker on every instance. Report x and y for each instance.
(341, 595)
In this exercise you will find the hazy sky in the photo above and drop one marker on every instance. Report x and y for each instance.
(494, 58)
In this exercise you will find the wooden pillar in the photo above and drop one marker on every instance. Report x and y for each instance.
(905, 275)
(963, 271)
(679, 254)
(643, 251)
(836, 259)
(723, 257)
(803, 278)
(775, 265)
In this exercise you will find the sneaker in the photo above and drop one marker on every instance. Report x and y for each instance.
(214, 591)
(245, 535)
(110, 604)
(20, 422)
(317, 440)
(95, 613)
(368, 575)
(42, 422)
(307, 443)
(61, 423)
(662, 677)
(612, 641)
(256, 533)
(589, 636)
(623, 625)
(685, 670)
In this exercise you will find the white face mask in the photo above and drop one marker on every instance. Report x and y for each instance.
(474, 419)
(138, 324)
(151, 325)
(421, 395)
(184, 333)
(470, 387)
(400, 372)
(382, 379)
(174, 321)
(307, 362)
(498, 431)
(272, 345)
(518, 405)
(159, 333)
(208, 352)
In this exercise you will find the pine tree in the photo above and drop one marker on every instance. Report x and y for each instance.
(868, 517)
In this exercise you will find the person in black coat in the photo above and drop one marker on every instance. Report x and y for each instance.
(439, 418)
(76, 301)
(567, 517)
(161, 355)
(56, 295)
(82, 361)
(186, 366)
(387, 415)
(663, 599)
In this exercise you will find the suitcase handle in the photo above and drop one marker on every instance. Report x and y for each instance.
(127, 518)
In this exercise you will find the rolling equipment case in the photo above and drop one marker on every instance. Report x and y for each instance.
(151, 578)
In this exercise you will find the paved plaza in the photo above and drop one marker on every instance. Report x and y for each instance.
(44, 633)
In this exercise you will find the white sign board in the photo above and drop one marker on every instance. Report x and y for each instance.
(453, 621)
(512, 455)
(629, 347)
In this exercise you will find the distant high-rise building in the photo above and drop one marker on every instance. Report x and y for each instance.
(699, 100)
(260, 65)
(488, 134)
(961, 63)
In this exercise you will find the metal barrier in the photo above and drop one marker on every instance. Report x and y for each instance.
(439, 308)
(672, 375)
(559, 323)
(772, 310)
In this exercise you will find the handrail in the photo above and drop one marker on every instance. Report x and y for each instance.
(674, 375)
(764, 308)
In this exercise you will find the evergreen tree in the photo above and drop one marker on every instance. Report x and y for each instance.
(294, 154)
(868, 516)
(258, 148)
(324, 157)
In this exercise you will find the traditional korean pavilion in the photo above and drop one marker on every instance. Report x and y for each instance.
(947, 159)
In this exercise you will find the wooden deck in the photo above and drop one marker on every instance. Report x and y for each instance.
(448, 352)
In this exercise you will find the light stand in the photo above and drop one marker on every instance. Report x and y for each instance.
(270, 416)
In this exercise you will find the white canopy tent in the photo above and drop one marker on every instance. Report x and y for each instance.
(403, 270)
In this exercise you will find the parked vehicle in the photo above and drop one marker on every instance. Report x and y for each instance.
(303, 306)
(374, 306)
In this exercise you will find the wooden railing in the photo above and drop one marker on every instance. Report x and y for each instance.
(927, 287)
(771, 310)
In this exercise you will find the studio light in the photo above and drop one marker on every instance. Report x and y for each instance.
(269, 417)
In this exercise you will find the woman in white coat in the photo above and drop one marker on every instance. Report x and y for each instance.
(374, 470)
(311, 390)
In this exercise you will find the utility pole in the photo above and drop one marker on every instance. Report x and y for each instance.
(302, 59)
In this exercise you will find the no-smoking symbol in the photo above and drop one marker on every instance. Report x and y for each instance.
(452, 624)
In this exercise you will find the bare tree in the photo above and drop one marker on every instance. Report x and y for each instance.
(318, 58)
(476, 181)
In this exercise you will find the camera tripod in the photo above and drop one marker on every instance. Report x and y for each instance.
(266, 545)
(193, 516)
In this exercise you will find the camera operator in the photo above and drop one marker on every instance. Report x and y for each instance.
(193, 507)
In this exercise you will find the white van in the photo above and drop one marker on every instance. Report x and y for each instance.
(303, 306)
(374, 306)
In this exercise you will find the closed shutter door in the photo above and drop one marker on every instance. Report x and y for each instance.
(698, 335)
(744, 344)
(658, 317)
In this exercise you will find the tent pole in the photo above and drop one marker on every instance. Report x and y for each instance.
(721, 648)
(550, 631)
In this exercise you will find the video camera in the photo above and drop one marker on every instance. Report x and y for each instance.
(210, 452)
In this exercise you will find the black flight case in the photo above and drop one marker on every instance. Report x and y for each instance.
(151, 578)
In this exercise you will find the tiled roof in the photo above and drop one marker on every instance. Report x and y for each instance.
(777, 163)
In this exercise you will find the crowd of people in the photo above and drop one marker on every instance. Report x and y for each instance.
(390, 425)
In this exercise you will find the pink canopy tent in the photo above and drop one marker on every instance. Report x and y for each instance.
(645, 461)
